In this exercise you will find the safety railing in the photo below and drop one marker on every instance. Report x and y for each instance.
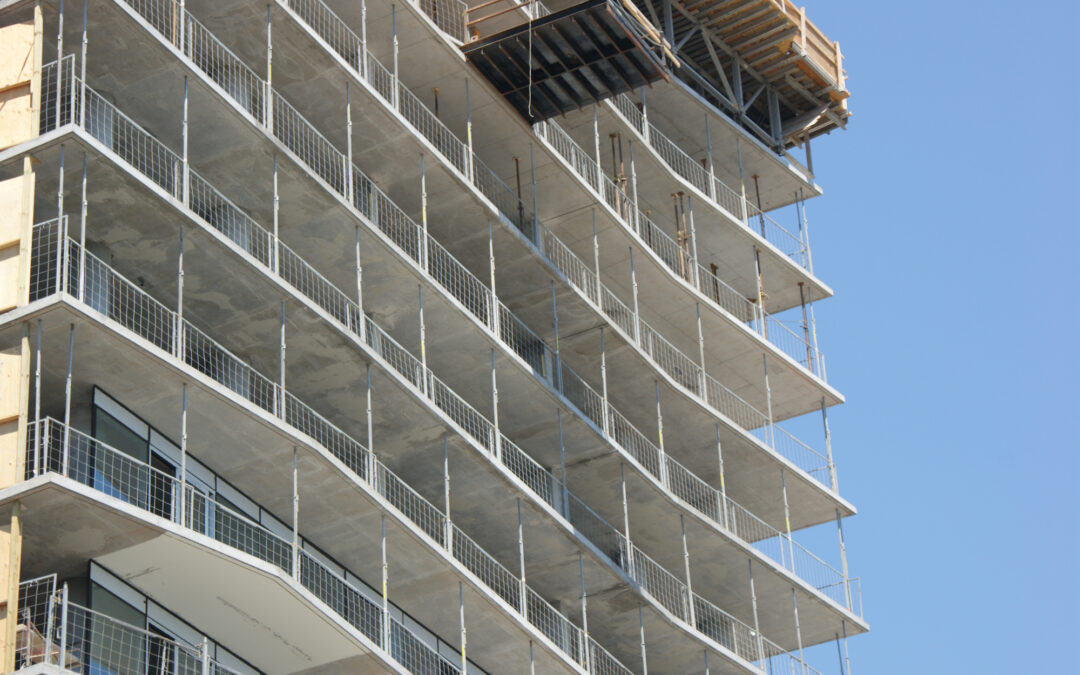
(53, 630)
(228, 219)
(110, 294)
(408, 235)
(54, 447)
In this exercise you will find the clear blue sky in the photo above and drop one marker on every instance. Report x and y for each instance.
(949, 229)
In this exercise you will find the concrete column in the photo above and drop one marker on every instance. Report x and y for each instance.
(82, 209)
(67, 400)
(295, 516)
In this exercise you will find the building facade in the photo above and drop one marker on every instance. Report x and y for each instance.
(359, 336)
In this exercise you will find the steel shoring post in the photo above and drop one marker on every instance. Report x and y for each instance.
(497, 441)
(686, 566)
(562, 466)
(449, 534)
(843, 560)
(532, 177)
(182, 16)
(806, 223)
(839, 654)
(363, 39)
(385, 590)
(768, 402)
(596, 148)
(370, 431)
(798, 629)
(426, 262)
(644, 117)
(461, 620)
(62, 660)
(204, 655)
(185, 185)
(828, 448)
(37, 403)
(348, 142)
(557, 375)
(633, 285)
(787, 521)
(471, 168)
(742, 179)
(660, 437)
(295, 516)
(521, 559)
(723, 489)
(596, 260)
(633, 184)
(494, 297)
(281, 363)
(813, 334)
(82, 231)
(267, 88)
(423, 343)
(178, 329)
(603, 383)
(706, 661)
(712, 186)
(61, 230)
(763, 328)
(701, 355)
(626, 521)
(693, 243)
(183, 455)
(757, 624)
(805, 328)
(360, 318)
(82, 71)
(59, 63)
(847, 655)
(50, 621)
(393, 21)
(584, 613)
(532, 663)
(641, 625)
(67, 397)
(277, 207)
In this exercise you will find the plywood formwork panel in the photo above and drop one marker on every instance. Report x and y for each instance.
(20, 73)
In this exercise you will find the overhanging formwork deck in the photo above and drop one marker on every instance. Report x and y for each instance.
(329, 518)
(401, 299)
(293, 632)
(567, 60)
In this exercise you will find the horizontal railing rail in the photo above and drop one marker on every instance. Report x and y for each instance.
(53, 630)
(407, 235)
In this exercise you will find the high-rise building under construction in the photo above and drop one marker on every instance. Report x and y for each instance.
(355, 336)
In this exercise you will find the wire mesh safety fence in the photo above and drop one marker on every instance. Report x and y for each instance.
(229, 220)
(54, 630)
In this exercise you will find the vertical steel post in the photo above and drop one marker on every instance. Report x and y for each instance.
(281, 362)
(633, 184)
(787, 520)
(426, 250)
(584, 612)
(660, 436)
(497, 441)
(82, 70)
(641, 624)
(185, 180)
(645, 117)
(363, 40)
(798, 629)
(847, 655)
(596, 148)
(596, 260)
(768, 402)
(449, 526)
(62, 661)
(562, 466)
(603, 383)
(763, 327)
(828, 448)
(67, 399)
(61, 230)
(470, 170)
(393, 20)
(277, 209)
(423, 343)
(295, 516)
(267, 96)
(183, 455)
(50, 618)
(706, 661)
(348, 142)
(495, 318)
(38, 449)
(204, 656)
(385, 588)
(633, 285)
(521, 559)
(59, 63)
(723, 489)
(805, 222)
(532, 177)
(712, 173)
(626, 521)
(753, 604)
(806, 329)
(532, 662)
(178, 331)
(361, 319)
(372, 477)
(843, 561)
(461, 619)
(82, 229)
(813, 334)
(742, 179)
(701, 356)
(557, 375)
(693, 243)
(686, 568)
